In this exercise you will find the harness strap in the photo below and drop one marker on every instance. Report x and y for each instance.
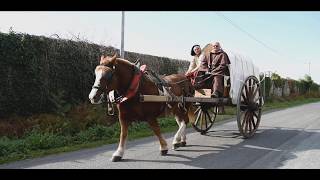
(134, 86)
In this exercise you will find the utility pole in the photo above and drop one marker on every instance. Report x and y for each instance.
(122, 36)
(266, 74)
(310, 77)
(309, 69)
(264, 86)
(309, 64)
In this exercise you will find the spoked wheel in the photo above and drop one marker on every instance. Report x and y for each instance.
(249, 107)
(205, 117)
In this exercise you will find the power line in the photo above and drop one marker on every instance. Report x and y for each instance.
(247, 33)
(262, 43)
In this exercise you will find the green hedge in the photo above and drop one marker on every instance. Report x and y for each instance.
(40, 74)
(43, 75)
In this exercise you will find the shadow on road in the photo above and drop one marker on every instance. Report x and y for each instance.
(245, 153)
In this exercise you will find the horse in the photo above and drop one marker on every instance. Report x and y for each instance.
(119, 75)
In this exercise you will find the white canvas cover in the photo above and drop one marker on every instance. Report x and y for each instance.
(241, 68)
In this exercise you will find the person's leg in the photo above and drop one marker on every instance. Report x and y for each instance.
(217, 86)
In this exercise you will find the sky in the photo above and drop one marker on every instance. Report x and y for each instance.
(283, 42)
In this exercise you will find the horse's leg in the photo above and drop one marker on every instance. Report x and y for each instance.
(118, 154)
(181, 131)
(156, 129)
(177, 136)
(183, 134)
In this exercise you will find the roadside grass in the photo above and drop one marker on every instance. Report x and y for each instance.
(37, 143)
(282, 104)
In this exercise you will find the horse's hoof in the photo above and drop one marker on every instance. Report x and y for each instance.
(116, 158)
(176, 146)
(183, 144)
(203, 132)
(163, 152)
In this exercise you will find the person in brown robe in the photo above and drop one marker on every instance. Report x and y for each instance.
(216, 63)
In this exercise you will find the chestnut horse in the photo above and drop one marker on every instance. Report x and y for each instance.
(117, 74)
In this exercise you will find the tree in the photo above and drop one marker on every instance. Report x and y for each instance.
(278, 81)
(307, 82)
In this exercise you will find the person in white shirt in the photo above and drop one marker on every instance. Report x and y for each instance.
(196, 61)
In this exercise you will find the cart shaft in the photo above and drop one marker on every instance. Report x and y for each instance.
(156, 98)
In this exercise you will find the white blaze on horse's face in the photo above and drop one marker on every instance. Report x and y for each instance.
(94, 97)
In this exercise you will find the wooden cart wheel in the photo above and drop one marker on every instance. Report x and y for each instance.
(205, 117)
(249, 107)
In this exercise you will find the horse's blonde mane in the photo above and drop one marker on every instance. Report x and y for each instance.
(124, 61)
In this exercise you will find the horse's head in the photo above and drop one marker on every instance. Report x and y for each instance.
(105, 81)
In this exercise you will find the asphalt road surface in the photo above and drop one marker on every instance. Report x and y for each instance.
(287, 138)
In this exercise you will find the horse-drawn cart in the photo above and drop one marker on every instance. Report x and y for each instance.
(134, 87)
(243, 92)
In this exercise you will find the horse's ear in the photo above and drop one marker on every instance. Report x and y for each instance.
(104, 59)
(114, 58)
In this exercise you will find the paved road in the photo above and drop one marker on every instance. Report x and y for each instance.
(288, 138)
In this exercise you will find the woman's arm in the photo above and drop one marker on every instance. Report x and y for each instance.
(191, 66)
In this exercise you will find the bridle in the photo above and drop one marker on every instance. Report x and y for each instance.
(108, 77)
